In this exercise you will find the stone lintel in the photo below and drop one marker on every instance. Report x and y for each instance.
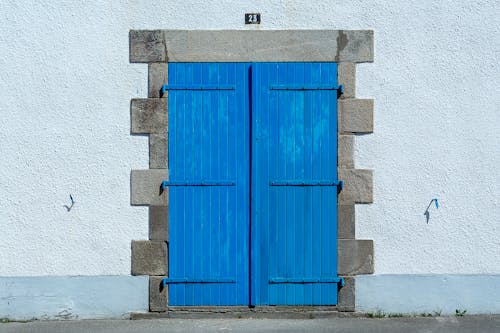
(251, 46)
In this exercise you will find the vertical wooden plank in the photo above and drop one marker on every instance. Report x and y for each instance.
(264, 193)
(299, 191)
(236, 127)
(181, 195)
(231, 174)
(241, 160)
(173, 216)
(244, 178)
(332, 250)
(213, 291)
(326, 172)
(189, 171)
(289, 174)
(274, 229)
(316, 195)
(281, 174)
(224, 167)
(255, 188)
(197, 192)
(206, 166)
(267, 160)
(216, 254)
(232, 168)
(308, 200)
(323, 154)
(326, 220)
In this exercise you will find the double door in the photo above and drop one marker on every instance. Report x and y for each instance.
(252, 183)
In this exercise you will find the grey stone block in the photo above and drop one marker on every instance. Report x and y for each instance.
(347, 295)
(358, 186)
(346, 73)
(269, 45)
(158, 295)
(356, 115)
(145, 187)
(147, 46)
(157, 77)
(158, 151)
(346, 151)
(355, 256)
(149, 115)
(158, 223)
(355, 46)
(149, 258)
(346, 226)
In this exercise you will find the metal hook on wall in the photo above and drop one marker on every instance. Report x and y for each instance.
(426, 213)
(68, 208)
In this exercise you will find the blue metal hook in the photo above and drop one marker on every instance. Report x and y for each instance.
(426, 213)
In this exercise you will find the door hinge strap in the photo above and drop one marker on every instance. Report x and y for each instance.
(167, 183)
(338, 280)
(166, 281)
(305, 183)
(338, 183)
(165, 87)
(306, 87)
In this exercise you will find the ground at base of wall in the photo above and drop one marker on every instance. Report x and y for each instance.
(442, 324)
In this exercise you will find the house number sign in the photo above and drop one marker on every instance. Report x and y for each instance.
(252, 18)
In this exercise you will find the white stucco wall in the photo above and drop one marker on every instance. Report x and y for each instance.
(66, 85)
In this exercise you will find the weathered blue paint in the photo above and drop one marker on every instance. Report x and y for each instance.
(253, 183)
(72, 297)
(294, 142)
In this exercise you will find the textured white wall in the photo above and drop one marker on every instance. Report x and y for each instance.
(66, 85)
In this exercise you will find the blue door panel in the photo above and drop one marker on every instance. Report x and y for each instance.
(252, 163)
(294, 248)
(208, 149)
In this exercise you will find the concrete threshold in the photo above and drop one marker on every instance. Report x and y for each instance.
(238, 312)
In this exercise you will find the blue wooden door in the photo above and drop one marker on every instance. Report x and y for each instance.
(294, 184)
(208, 184)
(253, 184)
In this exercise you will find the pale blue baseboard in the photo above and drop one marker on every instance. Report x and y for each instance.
(72, 297)
(416, 294)
(94, 297)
